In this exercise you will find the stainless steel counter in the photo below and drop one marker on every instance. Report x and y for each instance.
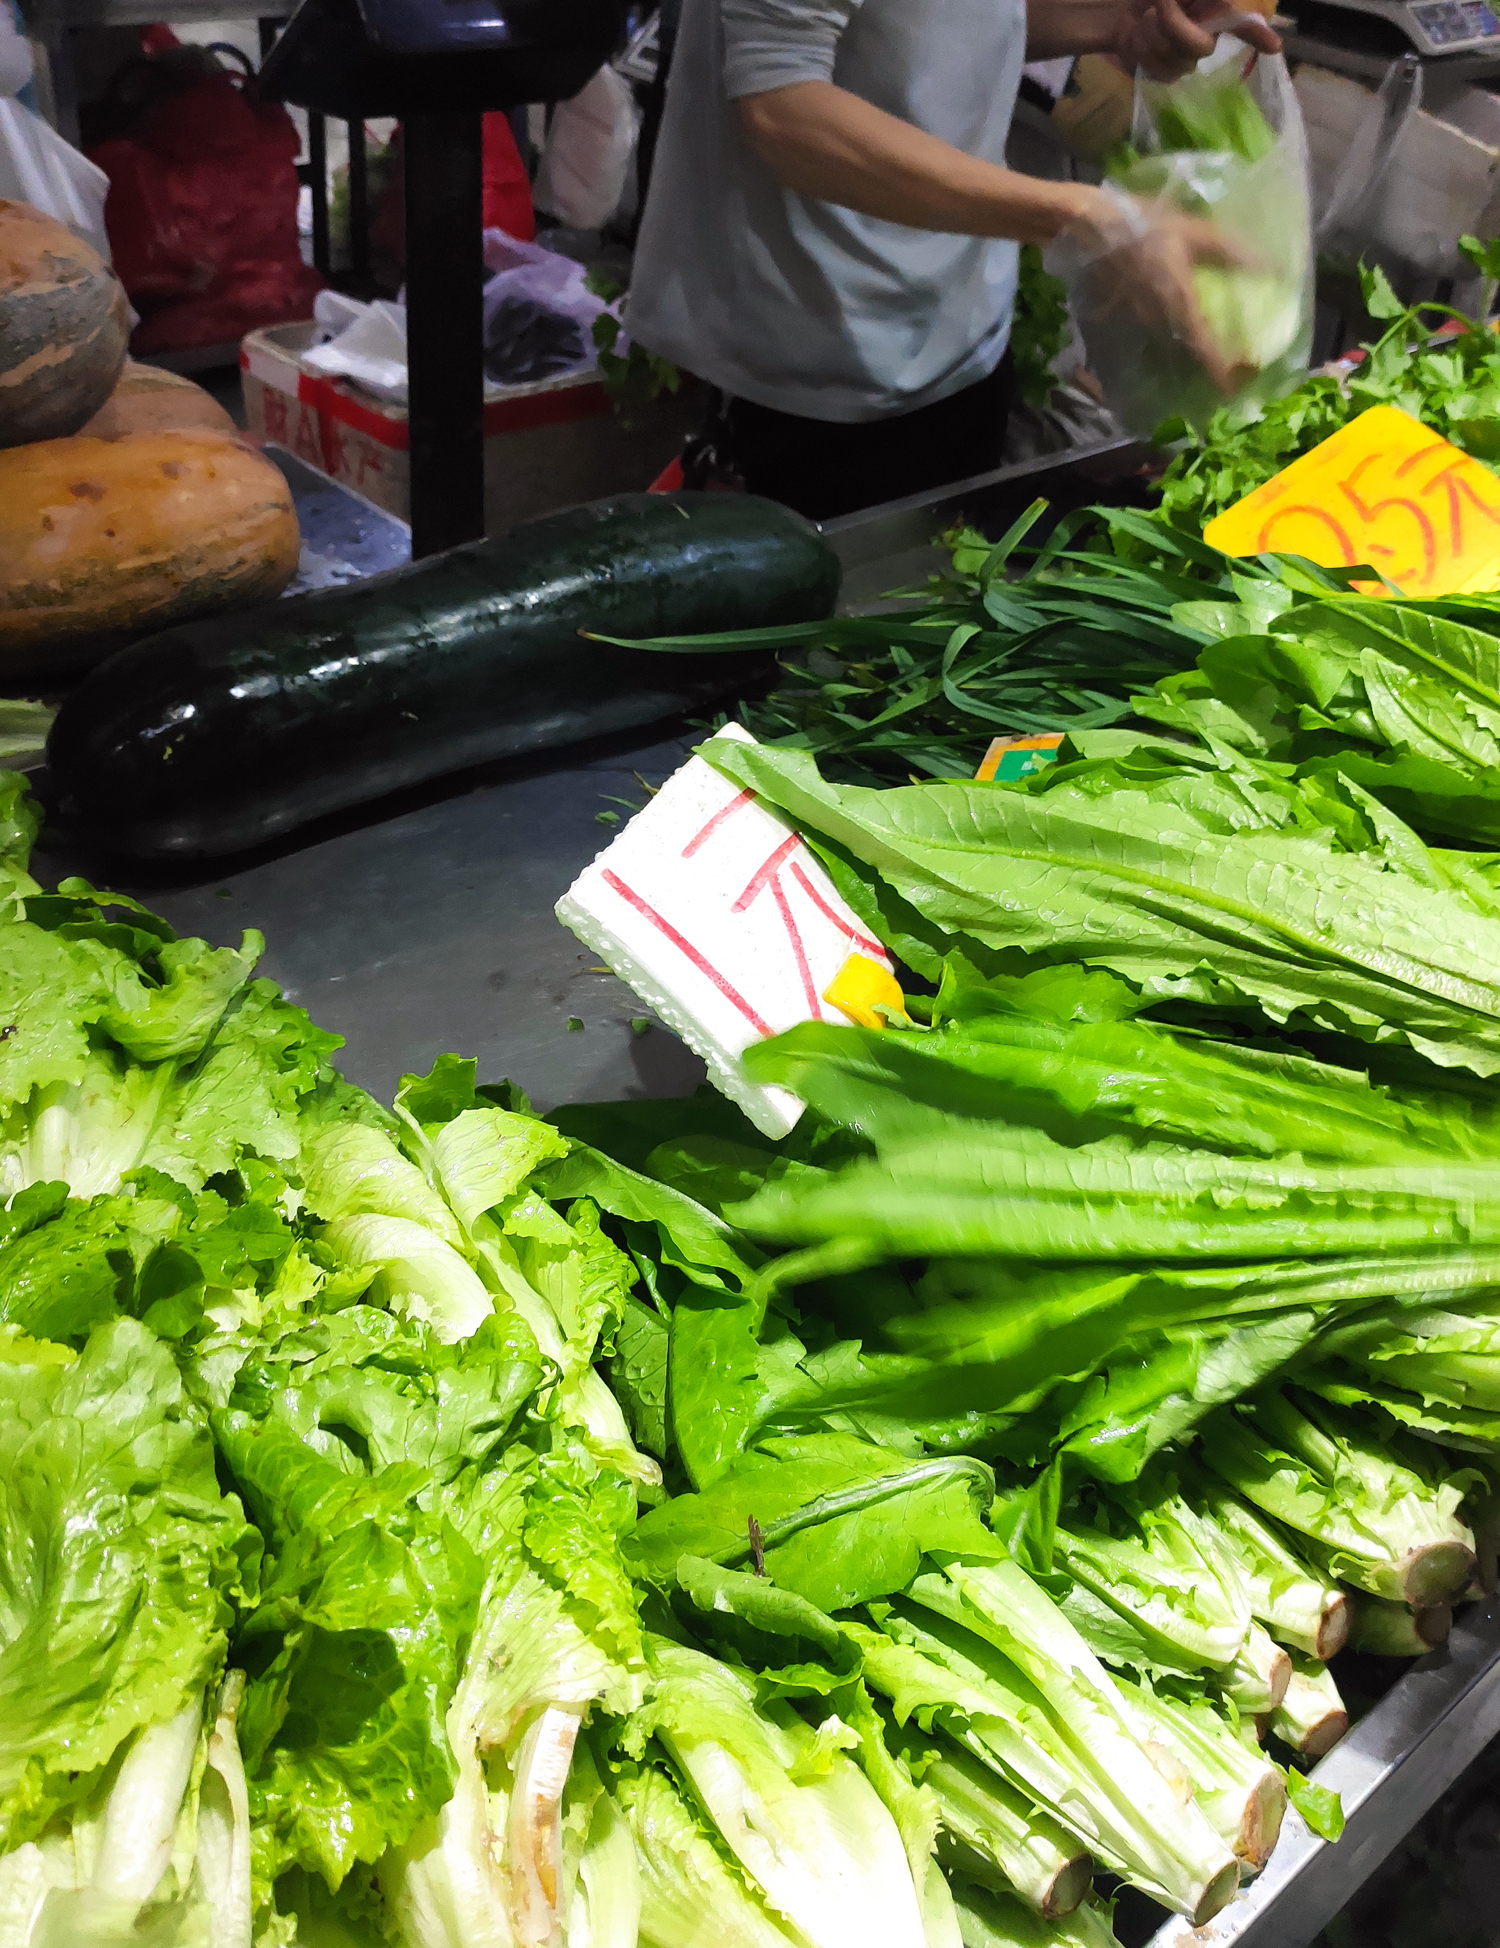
(426, 925)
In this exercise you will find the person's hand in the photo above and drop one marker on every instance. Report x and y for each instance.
(1139, 259)
(1168, 38)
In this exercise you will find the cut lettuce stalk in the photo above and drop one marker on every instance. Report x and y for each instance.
(604, 1905)
(801, 1818)
(445, 1887)
(1035, 1703)
(555, 1635)
(1238, 1791)
(222, 1862)
(1002, 1605)
(1257, 1679)
(117, 1853)
(534, 1847)
(911, 1805)
(1311, 1718)
(1299, 1605)
(1396, 1630)
(990, 1829)
(119, 1555)
(161, 1851)
(1375, 1517)
(1169, 1604)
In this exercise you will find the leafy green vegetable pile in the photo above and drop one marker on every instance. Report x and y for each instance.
(1010, 644)
(1450, 381)
(442, 1527)
(1039, 326)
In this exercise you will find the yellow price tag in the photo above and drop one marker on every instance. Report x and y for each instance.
(860, 986)
(1386, 491)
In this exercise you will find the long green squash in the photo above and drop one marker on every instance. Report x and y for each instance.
(219, 735)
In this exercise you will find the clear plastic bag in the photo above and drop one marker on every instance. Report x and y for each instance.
(1253, 186)
(36, 165)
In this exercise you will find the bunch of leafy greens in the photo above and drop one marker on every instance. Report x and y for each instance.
(315, 1618)
(1450, 382)
(1046, 1221)
(124, 1566)
(1301, 898)
(1401, 699)
(1038, 326)
(868, 1582)
(979, 652)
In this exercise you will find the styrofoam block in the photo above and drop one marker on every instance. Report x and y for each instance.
(713, 909)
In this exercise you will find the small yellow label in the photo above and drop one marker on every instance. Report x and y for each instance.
(860, 986)
(1384, 491)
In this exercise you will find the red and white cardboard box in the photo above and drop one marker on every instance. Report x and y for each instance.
(545, 445)
(713, 909)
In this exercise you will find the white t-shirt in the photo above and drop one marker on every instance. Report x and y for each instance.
(801, 304)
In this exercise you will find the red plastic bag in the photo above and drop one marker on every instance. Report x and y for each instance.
(507, 187)
(507, 194)
(202, 216)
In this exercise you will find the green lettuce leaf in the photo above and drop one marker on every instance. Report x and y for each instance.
(830, 1518)
(123, 1562)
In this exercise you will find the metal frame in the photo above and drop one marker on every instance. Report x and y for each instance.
(1396, 1763)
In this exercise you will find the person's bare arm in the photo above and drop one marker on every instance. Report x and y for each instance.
(827, 143)
(1165, 37)
(1055, 27)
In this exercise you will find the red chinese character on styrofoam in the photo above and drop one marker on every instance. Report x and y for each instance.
(715, 911)
(307, 446)
(273, 410)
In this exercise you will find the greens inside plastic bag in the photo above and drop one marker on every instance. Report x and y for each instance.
(1227, 145)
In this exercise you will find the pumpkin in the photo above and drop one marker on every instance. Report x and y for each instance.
(101, 540)
(148, 400)
(64, 327)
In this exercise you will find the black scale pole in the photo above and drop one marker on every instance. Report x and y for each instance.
(360, 282)
(317, 165)
(435, 65)
(443, 157)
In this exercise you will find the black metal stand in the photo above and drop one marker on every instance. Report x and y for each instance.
(360, 283)
(443, 158)
(436, 65)
(317, 171)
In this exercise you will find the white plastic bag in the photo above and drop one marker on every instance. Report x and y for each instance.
(1261, 317)
(367, 342)
(581, 177)
(36, 165)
